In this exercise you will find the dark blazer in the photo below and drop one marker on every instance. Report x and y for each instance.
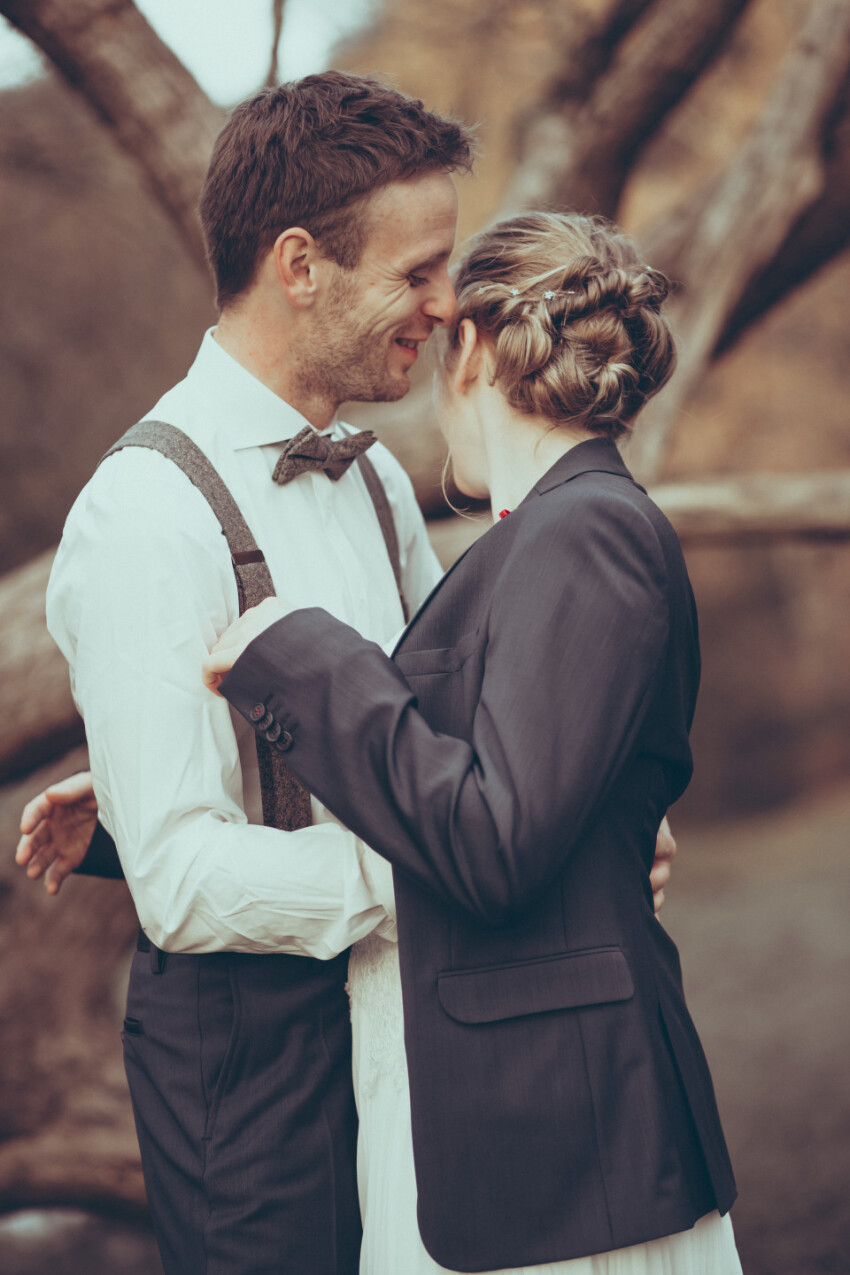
(513, 764)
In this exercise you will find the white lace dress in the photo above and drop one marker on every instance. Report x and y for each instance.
(385, 1173)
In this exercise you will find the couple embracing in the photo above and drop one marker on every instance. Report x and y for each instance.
(460, 779)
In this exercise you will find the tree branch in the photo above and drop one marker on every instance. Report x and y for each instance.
(580, 150)
(159, 114)
(752, 507)
(277, 28)
(586, 41)
(818, 235)
(774, 179)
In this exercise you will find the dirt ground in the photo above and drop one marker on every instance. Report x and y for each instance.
(760, 912)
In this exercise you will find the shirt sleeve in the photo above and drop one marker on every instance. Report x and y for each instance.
(141, 588)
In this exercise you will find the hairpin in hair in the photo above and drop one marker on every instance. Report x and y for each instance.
(547, 296)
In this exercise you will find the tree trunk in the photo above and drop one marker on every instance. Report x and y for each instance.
(581, 149)
(777, 175)
(160, 115)
(38, 720)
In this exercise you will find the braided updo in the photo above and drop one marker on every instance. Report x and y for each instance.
(573, 315)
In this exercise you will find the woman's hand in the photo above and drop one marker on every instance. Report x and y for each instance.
(57, 827)
(665, 850)
(237, 636)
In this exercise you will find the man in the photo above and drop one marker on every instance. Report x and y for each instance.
(330, 216)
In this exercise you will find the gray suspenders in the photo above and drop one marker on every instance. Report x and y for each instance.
(286, 804)
(385, 517)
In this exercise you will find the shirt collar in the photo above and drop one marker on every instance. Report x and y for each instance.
(240, 410)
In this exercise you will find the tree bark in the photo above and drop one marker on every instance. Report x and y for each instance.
(158, 112)
(580, 150)
(776, 177)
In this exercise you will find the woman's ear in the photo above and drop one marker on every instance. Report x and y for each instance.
(294, 256)
(468, 358)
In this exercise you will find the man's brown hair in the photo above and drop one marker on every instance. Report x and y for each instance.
(309, 154)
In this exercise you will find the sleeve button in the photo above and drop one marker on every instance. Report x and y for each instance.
(284, 743)
(257, 712)
(273, 733)
(265, 722)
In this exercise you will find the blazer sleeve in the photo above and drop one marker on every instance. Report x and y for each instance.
(101, 857)
(576, 635)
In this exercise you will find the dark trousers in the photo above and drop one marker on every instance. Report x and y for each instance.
(240, 1073)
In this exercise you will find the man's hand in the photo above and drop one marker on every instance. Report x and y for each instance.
(237, 636)
(57, 827)
(665, 850)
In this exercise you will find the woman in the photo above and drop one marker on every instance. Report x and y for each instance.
(512, 762)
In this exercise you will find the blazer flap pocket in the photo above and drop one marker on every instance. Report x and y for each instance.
(568, 980)
(444, 659)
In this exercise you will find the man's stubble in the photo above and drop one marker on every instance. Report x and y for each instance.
(347, 362)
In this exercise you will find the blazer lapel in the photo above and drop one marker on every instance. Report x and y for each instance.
(599, 455)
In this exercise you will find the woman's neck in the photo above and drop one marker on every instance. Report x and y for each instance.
(521, 452)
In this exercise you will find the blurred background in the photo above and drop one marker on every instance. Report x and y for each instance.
(719, 135)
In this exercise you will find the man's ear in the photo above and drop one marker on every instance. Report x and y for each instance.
(469, 359)
(294, 255)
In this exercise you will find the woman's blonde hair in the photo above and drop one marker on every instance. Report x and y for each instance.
(573, 316)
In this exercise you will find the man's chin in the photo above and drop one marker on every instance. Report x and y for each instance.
(389, 391)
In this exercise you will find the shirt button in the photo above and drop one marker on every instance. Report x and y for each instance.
(257, 712)
(265, 722)
(284, 744)
(273, 733)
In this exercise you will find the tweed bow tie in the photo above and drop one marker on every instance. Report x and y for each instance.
(309, 450)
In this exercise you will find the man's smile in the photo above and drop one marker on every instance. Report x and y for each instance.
(410, 344)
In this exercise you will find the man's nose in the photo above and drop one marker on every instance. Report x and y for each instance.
(440, 304)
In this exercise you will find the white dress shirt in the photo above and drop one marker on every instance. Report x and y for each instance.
(141, 588)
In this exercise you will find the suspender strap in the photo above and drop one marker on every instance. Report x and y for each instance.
(387, 523)
(286, 804)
